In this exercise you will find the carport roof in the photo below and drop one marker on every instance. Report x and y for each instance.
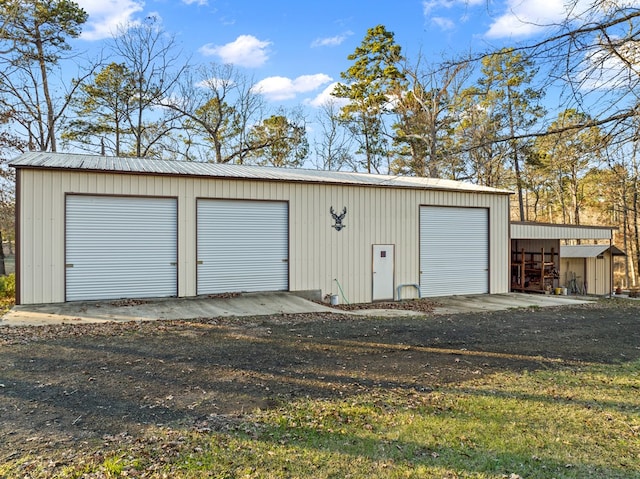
(530, 230)
(104, 164)
(588, 251)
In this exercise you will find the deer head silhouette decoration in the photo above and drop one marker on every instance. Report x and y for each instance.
(338, 218)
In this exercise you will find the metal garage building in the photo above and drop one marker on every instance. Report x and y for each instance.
(93, 227)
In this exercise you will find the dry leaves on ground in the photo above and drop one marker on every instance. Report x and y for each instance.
(422, 305)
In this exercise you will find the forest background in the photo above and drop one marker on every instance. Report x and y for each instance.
(556, 121)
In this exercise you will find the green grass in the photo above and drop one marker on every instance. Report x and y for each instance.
(567, 423)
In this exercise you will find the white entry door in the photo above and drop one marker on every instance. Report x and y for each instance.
(383, 269)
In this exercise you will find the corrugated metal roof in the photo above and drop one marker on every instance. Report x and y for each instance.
(530, 230)
(216, 170)
(588, 251)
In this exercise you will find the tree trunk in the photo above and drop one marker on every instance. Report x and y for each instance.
(139, 133)
(139, 112)
(117, 132)
(217, 146)
(367, 143)
(433, 147)
(514, 154)
(575, 193)
(51, 133)
(3, 270)
(635, 229)
(625, 241)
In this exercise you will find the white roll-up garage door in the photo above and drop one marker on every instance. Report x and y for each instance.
(120, 247)
(454, 251)
(242, 246)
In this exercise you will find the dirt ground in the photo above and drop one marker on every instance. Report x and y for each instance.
(71, 386)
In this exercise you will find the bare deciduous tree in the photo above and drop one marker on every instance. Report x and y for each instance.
(333, 146)
(154, 63)
(425, 118)
(33, 35)
(219, 105)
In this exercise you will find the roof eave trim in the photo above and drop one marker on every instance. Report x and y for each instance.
(241, 178)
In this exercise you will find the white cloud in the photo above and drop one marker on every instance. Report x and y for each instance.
(525, 18)
(606, 71)
(444, 23)
(106, 15)
(459, 8)
(331, 41)
(326, 97)
(245, 51)
(430, 5)
(279, 88)
(197, 2)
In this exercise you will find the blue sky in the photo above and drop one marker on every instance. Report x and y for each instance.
(296, 50)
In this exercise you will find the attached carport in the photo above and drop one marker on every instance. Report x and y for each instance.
(537, 258)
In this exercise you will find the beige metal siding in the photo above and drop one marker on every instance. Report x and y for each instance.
(319, 254)
(563, 232)
(41, 238)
